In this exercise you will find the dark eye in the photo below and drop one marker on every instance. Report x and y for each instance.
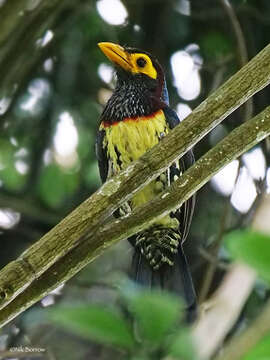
(141, 62)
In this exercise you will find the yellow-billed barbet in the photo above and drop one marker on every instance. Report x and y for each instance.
(137, 117)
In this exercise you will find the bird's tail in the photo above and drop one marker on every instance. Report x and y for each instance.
(174, 278)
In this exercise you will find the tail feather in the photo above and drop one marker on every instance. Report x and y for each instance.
(175, 279)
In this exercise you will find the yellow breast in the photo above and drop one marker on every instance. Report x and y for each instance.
(129, 139)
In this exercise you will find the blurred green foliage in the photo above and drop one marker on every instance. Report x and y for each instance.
(95, 322)
(252, 248)
(155, 318)
(261, 351)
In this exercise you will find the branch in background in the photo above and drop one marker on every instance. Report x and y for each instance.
(222, 310)
(212, 259)
(242, 344)
(239, 36)
(226, 305)
(92, 213)
(248, 110)
(100, 238)
(22, 24)
(28, 208)
(20, 31)
(241, 48)
(211, 269)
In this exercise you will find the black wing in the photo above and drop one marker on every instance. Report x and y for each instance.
(101, 153)
(185, 213)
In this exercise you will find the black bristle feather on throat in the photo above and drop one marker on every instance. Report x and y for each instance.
(133, 96)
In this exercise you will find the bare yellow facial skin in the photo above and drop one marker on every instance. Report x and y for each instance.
(136, 63)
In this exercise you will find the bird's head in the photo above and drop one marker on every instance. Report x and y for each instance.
(137, 66)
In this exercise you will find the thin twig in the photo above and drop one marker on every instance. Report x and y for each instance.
(241, 48)
(211, 259)
(210, 272)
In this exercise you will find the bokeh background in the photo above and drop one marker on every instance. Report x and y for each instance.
(54, 84)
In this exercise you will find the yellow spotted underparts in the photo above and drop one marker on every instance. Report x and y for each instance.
(131, 138)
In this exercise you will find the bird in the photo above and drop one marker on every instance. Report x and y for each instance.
(136, 117)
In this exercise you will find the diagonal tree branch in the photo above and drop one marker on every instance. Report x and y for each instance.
(89, 216)
(99, 239)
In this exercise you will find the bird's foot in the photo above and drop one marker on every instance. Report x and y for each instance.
(159, 245)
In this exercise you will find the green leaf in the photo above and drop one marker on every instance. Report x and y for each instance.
(252, 248)
(261, 351)
(97, 323)
(156, 314)
(181, 346)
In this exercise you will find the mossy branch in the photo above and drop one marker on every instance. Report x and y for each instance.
(66, 248)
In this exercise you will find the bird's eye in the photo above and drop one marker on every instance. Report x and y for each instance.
(141, 62)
